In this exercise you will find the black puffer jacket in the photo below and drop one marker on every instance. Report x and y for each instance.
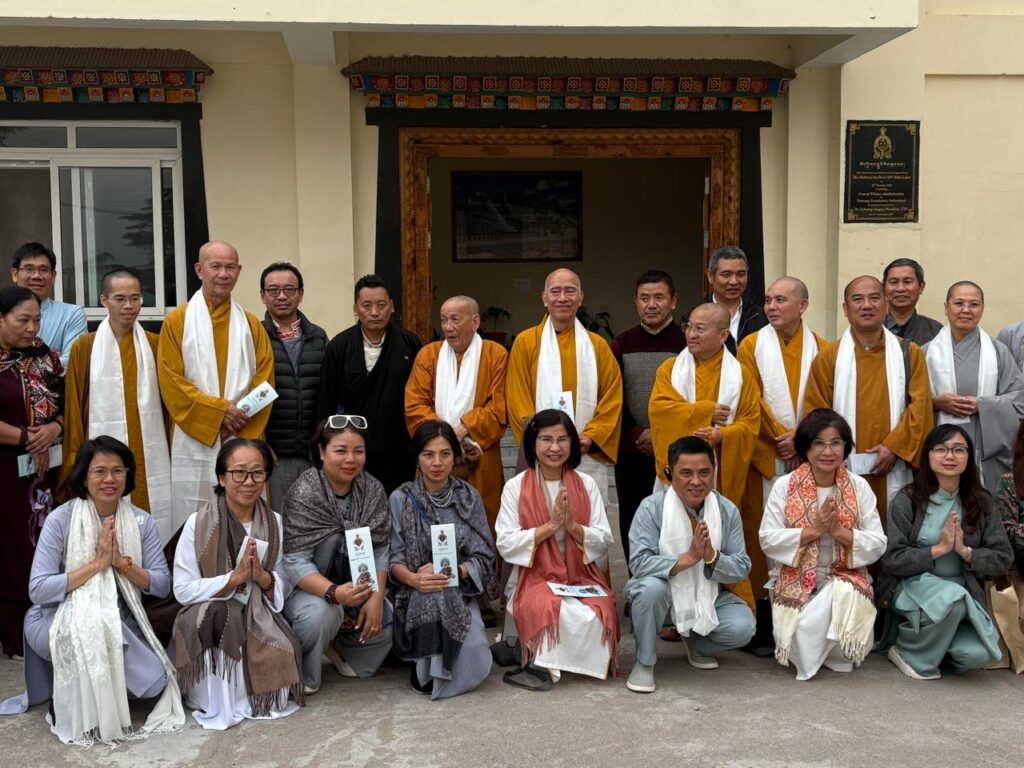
(293, 414)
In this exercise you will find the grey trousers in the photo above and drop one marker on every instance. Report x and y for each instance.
(316, 624)
(651, 601)
(286, 472)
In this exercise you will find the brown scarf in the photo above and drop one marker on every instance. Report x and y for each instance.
(213, 637)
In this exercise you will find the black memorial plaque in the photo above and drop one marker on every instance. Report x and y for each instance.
(881, 171)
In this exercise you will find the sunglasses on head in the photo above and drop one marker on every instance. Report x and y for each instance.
(342, 420)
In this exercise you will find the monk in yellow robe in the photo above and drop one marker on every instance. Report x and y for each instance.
(121, 294)
(867, 354)
(202, 401)
(775, 354)
(722, 407)
(437, 390)
(583, 379)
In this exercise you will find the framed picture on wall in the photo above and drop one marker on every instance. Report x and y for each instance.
(517, 216)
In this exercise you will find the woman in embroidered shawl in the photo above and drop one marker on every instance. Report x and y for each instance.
(437, 626)
(89, 645)
(31, 400)
(552, 527)
(347, 622)
(237, 658)
(821, 530)
(945, 538)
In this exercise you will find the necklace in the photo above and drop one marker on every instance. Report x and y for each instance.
(443, 497)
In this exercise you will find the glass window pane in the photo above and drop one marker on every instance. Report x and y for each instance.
(67, 237)
(24, 212)
(167, 203)
(33, 136)
(125, 137)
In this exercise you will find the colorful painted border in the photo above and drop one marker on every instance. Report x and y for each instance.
(114, 86)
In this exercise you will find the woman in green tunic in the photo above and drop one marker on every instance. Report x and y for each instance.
(945, 538)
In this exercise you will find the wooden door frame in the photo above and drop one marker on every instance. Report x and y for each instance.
(417, 146)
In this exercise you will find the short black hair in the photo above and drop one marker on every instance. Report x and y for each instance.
(28, 250)
(726, 252)
(281, 266)
(551, 417)
(323, 435)
(655, 276)
(87, 451)
(816, 422)
(12, 296)
(370, 281)
(228, 449)
(691, 445)
(427, 431)
(918, 269)
(116, 273)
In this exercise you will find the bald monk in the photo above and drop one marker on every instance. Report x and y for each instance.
(461, 380)
(212, 353)
(111, 388)
(705, 391)
(879, 384)
(779, 356)
(560, 364)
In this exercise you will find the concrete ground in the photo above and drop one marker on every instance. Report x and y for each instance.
(750, 712)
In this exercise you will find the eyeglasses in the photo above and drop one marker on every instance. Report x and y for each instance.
(342, 420)
(833, 445)
(548, 440)
(274, 291)
(241, 475)
(960, 451)
(133, 300)
(41, 271)
(700, 330)
(118, 473)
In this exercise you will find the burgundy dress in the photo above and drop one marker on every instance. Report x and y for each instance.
(24, 504)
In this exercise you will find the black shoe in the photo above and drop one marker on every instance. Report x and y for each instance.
(531, 678)
(490, 618)
(414, 681)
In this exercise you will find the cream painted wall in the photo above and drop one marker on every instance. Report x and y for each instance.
(637, 215)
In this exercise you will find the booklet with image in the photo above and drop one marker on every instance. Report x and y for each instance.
(243, 592)
(361, 562)
(258, 399)
(569, 590)
(27, 464)
(861, 463)
(446, 559)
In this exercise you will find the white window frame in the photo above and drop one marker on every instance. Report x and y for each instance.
(76, 158)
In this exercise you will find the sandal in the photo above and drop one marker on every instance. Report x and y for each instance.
(531, 678)
(671, 635)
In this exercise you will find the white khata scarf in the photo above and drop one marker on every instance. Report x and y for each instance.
(693, 594)
(90, 696)
(549, 389)
(942, 369)
(768, 354)
(192, 463)
(844, 399)
(684, 380)
(455, 385)
(107, 409)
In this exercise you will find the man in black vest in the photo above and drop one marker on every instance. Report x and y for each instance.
(728, 273)
(298, 352)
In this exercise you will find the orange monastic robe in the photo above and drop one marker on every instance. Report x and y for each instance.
(76, 411)
(763, 462)
(521, 387)
(872, 425)
(199, 414)
(485, 421)
(673, 417)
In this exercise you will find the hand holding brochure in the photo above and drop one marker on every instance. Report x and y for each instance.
(243, 592)
(446, 558)
(361, 562)
(258, 399)
(27, 464)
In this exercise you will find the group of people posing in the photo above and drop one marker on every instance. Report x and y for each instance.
(776, 492)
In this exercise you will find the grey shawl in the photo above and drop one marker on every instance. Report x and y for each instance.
(311, 513)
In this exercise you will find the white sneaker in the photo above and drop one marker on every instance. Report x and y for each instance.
(904, 666)
(309, 690)
(338, 662)
(641, 679)
(699, 662)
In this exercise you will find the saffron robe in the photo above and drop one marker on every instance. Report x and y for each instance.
(486, 420)
(673, 417)
(872, 425)
(763, 463)
(521, 386)
(76, 411)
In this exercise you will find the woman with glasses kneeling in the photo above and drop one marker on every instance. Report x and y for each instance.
(553, 529)
(333, 614)
(945, 538)
(438, 626)
(821, 529)
(237, 659)
(88, 643)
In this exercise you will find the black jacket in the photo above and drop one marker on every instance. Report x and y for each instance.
(293, 414)
(752, 320)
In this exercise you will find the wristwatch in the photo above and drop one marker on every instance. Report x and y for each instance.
(329, 594)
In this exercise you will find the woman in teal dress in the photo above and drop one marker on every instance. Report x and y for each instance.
(945, 539)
